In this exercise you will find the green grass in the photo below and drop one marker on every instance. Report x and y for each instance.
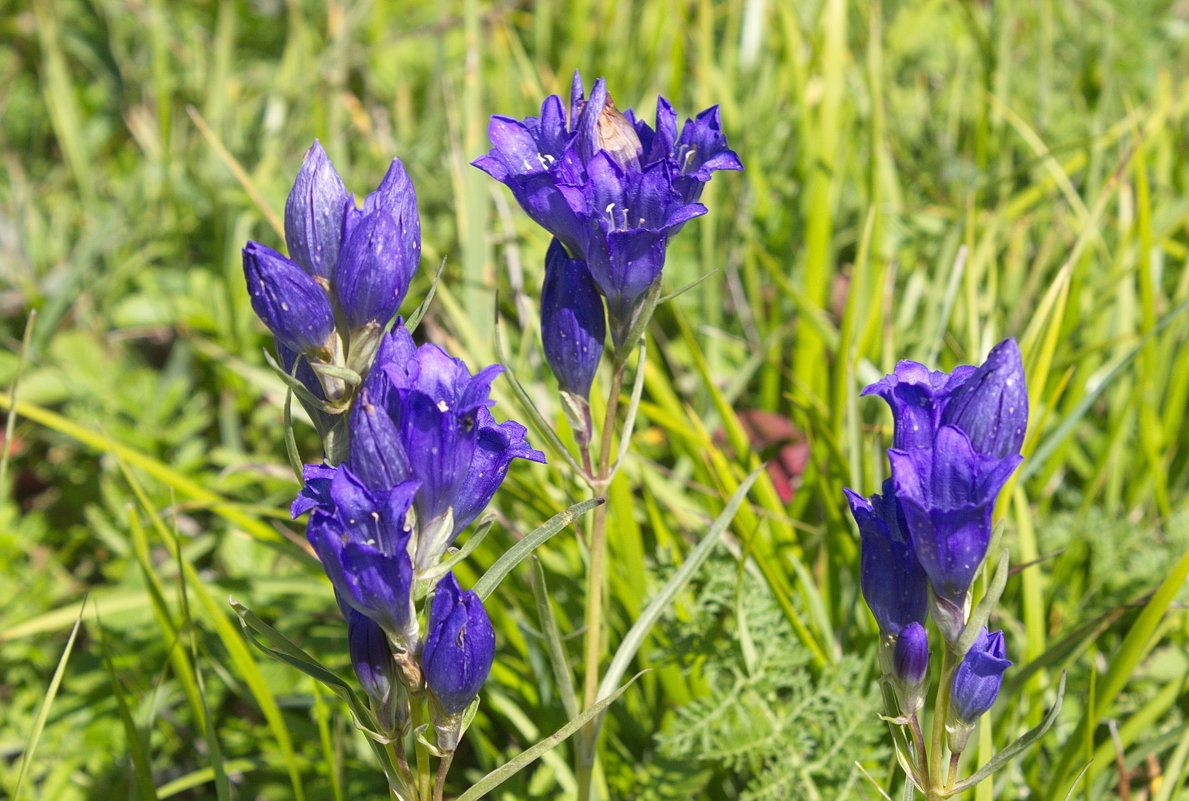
(923, 178)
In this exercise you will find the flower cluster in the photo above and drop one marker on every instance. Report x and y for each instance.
(416, 457)
(956, 441)
(348, 271)
(612, 190)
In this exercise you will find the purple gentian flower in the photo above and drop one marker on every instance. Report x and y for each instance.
(365, 258)
(989, 403)
(947, 494)
(573, 323)
(362, 538)
(978, 677)
(459, 647)
(287, 300)
(609, 186)
(372, 658)
(894, 584)
(422, 415)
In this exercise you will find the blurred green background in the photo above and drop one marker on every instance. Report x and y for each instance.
(923, 178)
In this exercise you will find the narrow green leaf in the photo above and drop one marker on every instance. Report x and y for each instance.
(520, 551)
(44, 711)
(138, 752)
(635, 637)
(553, 644)
(419, 313)
(1009, 753)
(525, 758)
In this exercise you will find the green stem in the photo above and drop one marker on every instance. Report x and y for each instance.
(941, 710)
(594, 588)
(396, 754)
(443, 768)
(918, 741)
(423, 776)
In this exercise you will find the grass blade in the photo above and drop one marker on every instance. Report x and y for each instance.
(520, 551)
(44, 712)
(528, 756)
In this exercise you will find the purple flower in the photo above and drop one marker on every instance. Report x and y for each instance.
(371, 656)
(910, 658)
(362, 538)
(978, 677)
(609, 186)
(573, 324)
(947, 494)
(366, 258)
(989, 403)
(893, 583)
(459, 647)
(289, 302)
(422, 415)
(381, 251)
(314, 214)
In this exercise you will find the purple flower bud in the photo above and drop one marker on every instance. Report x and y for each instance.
(573, 324)
(381, 251)
(991, 404)
(910, 658)
(314, 214)
(979, 676)
(893, 583)
(459, 647)
(291, 303)
(947, 494)
(363, 542)
(374, 272)
(371, 657)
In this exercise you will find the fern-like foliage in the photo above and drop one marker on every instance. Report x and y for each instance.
(769, 725)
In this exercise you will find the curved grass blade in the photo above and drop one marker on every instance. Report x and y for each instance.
(525, 758)
(415, 318)
(635, 636)
(44, 712)
(1015, 749)
(552, 636)
(520, 551)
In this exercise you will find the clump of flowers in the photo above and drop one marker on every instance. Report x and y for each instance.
(956, 441)
(612, 190)
(412, 455)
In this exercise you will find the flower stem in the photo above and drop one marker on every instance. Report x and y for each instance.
(421, 751)
(594, 587)
(443, 768)
(941, 708)
(953, 774)
(918, 741)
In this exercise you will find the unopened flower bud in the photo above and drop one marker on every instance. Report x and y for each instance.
(314, 214)
(975, 685)
(573, 324)
(292, 304)
(910, 666)
(459, 650)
